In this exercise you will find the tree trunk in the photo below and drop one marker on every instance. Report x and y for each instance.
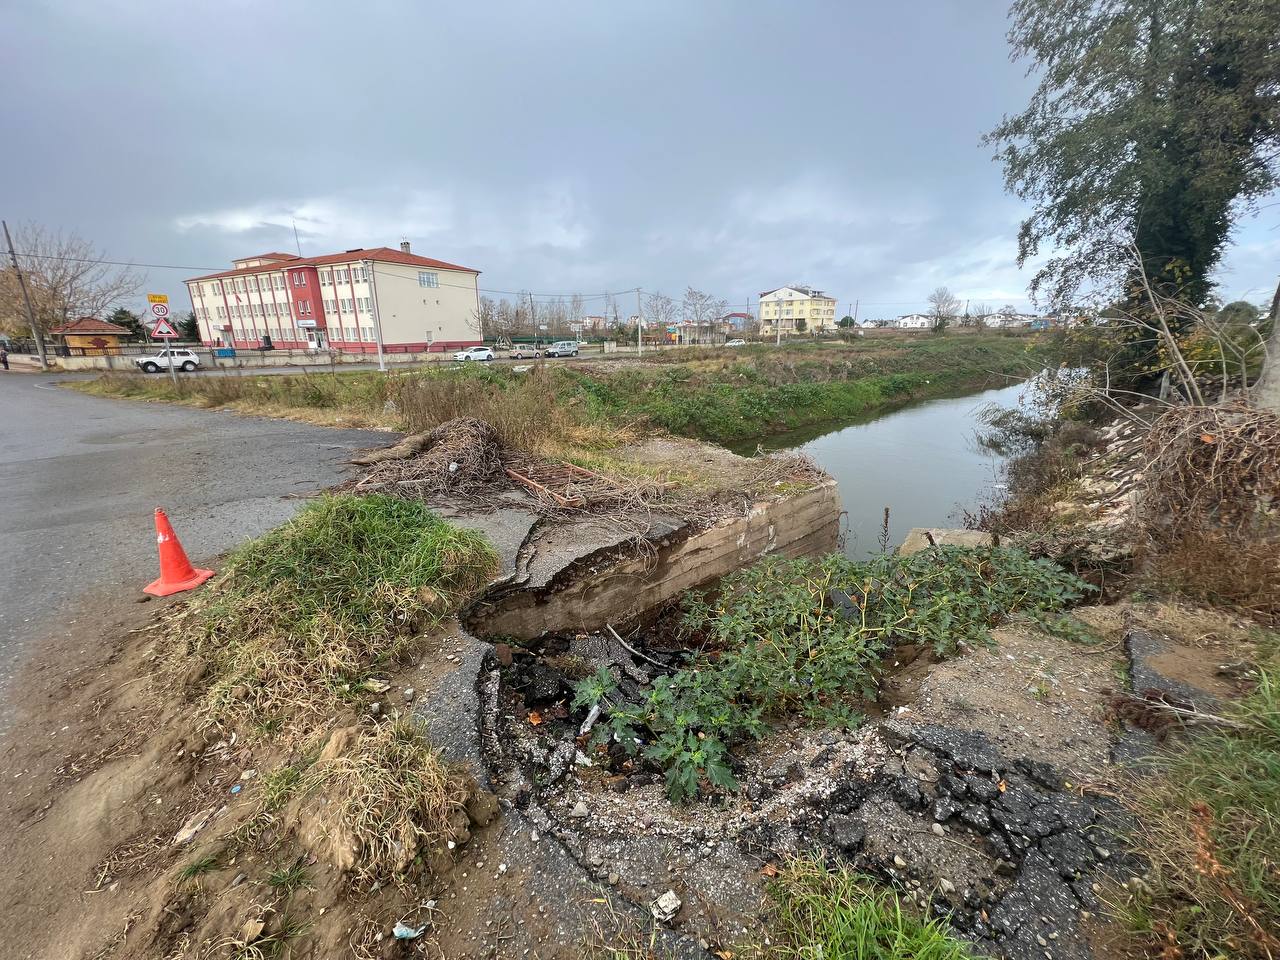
(1267, 392)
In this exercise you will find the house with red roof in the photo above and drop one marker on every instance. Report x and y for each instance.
(91, 337)
(356, 301)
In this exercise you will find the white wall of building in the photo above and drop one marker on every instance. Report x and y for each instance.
(412, 312)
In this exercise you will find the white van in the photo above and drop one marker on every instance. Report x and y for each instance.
(563, 348)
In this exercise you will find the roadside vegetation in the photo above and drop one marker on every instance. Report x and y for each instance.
(822, 913)
(722, 395)
(297, 634)
(306, 614)
(807, 637)
(1211, 826)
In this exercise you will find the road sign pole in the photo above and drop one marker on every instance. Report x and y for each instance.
(162, 328)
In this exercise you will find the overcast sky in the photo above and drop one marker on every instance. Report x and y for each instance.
(558, 147)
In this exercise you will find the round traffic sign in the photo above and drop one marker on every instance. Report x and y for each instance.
(160, 309)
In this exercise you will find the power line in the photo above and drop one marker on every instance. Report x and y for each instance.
(178, 266)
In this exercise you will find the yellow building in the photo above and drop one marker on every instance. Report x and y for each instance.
(786, 306)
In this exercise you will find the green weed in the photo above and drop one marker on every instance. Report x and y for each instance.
(198, 867)
(807, 636)
(289, 879)
(822, 914)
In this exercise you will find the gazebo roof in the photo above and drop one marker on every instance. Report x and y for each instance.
(91, 325)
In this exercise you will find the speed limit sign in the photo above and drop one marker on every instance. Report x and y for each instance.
(159, 305)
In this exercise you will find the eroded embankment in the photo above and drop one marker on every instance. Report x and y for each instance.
(585, 576)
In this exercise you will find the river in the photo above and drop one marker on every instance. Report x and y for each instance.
(923, 462)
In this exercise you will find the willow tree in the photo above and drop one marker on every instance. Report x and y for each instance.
(1155, 122)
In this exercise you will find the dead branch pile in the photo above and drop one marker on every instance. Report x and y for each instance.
(1218, 465)
(1210, 506)
(795, 470)
(457, 455)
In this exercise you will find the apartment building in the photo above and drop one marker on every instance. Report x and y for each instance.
(785, 306)
(347, 301)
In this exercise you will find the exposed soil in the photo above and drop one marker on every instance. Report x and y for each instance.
(984, 789)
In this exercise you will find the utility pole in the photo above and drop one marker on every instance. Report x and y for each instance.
(639, 325)
(856, 304)
(533, 318)
(26, 297)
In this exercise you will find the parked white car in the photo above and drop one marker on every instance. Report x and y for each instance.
(474, 353)
(154, 363)
(563, 348)
(735, 343)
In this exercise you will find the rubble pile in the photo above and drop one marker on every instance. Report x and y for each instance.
(1002, 846)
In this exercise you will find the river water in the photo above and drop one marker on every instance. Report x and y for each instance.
(923, 462)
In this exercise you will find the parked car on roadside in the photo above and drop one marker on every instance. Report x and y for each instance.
(525, 352)
(735, 343)
(474, 353)
(166, 358)
(563, 348)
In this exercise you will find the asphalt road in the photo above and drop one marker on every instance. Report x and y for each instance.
(81, 476)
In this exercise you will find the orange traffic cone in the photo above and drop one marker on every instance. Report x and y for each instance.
(176, 572)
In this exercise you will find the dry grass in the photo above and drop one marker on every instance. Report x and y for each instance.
(392, 794)
(532, 411)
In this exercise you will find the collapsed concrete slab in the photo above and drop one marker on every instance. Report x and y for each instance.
(921, 538)
(628, 574)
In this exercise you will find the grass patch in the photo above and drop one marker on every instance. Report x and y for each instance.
(289, 879)
(807, 636)
(1211, 827)
(729, 398)
(198, 868)
(822, 914)
(302, 615)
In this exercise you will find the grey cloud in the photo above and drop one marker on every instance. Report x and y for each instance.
(726, 145)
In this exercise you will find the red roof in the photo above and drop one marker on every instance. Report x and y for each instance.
(383, 254)
(90, 325)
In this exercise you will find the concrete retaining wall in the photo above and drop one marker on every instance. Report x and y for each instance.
(617, 586)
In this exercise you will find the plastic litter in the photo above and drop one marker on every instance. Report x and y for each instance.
(665, 907)
(402, 931)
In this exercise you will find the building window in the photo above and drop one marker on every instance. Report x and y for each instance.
(366, 333)
(341, 274)
(299, 279)
(277, 282)
(426, 279)
(304, 307)
(365, 304)
(359, 273)
(351, 333)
